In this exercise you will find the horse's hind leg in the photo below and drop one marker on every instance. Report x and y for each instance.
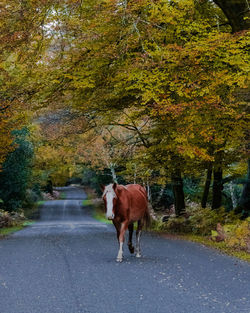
(138, 236)
(130, 245)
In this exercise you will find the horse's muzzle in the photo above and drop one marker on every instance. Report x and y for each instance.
(111, 217)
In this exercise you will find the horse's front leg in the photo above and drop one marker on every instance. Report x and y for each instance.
(123, 229)
(117, 227)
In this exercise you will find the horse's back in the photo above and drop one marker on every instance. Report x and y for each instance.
(136, 187)
(139, 201)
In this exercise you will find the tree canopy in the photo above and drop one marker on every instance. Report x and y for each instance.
(157, 85)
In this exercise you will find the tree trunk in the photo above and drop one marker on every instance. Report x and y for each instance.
(232, 194)
(49, 186)
(237, 13)
(149, 192)
(158, 199)
(217, 188)
(113, 173)
(179, 199)
(207, 186)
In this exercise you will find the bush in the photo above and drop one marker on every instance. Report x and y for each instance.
(156, 224)
(236, 236)
(178, 225)
(199, 221)
(239, 236)
(32, 196)
(10, 219)
(202, 221)
(5, 219)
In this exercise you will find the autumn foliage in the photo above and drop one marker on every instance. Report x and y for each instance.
(154, 89)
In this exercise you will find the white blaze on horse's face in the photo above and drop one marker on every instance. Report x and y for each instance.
(110, 195)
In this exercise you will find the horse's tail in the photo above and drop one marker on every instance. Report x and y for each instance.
(147, 218)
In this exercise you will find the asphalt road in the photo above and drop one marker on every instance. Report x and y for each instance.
(65, 263)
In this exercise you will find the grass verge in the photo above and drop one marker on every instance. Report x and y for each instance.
(100, 216)
(87, 202)
(97, 212)
(41, 202)
(10, 230)
(221, 246)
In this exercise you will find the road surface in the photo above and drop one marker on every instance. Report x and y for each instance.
(65, 263)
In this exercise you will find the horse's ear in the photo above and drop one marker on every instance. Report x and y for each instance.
(114, 186)
(102, 187)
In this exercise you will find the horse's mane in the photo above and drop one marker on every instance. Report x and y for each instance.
(108, 188)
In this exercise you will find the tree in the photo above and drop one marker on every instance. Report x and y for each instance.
(21, 37)
(16, 171)
(238, 15)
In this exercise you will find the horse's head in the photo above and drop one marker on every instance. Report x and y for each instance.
(110, 198)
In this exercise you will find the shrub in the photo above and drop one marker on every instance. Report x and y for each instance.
(199, 221)
(237, 235)
(10, 219)
(202, 221)
(177, 225)
(5, 219)
(157, 224)
(30, 198)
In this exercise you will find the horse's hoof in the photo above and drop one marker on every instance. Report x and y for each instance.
(119, 260)
(132, 250)
(138, 255)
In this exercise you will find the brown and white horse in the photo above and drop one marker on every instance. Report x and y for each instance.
(125, 205)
